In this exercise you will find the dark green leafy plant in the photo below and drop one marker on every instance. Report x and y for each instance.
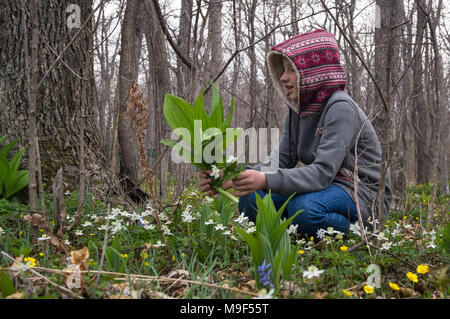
(12, 179)
(201, 132)
(271, 245)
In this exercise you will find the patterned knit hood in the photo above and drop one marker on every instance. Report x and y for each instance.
(315, 56)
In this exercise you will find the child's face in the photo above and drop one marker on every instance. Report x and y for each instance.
(289, 80)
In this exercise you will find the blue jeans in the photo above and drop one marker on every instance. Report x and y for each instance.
(331, 207)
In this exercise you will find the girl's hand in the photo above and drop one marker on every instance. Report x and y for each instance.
(248, 182)
(205, 182)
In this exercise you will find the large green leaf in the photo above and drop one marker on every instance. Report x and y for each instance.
(217, 115)
(7, 148)
(277, 233)
(200, 113)
(6, 285)
(14, 163)
(13, 185)
(253, 244)
(178, 113)
(229, 117)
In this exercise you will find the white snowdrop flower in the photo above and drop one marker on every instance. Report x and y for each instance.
(321, 233)
(227, 232)
(102, 227)
(210, 222)
(166, 230)
(241, 219)
(163, 217)
(67, 242)
(43, 238)
(232, 159)
(158, 244)
(187, 217)
(147, 213)
(330, 230)
(381, 236)
(292, 229)
(209, 199)
(110, 217)
(263, 294)
(312, 272)
(86, 224)
(67, 193)
(354, 228)
(385, 245)
(431, 245)
(78, 232)
(233, 237)
(300, 241)
(219, 227)
(215, 172)
(135, 216)
(407, 226)
(251, 229)
(149, 226)
(1, 231)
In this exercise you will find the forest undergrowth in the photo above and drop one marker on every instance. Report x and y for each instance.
(204, 256)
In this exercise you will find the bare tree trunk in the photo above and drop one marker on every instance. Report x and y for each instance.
(184, 43)
(129, 169)
(252, 56)
(33, 94)
(420, 116)
(161, 84)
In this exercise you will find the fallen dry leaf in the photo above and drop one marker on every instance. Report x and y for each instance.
(17, 295)
(80, 258)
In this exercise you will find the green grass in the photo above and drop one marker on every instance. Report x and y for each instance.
(211, 264)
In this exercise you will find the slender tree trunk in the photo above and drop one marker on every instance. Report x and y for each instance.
(129, 168)
(421, 124)
(161, 84)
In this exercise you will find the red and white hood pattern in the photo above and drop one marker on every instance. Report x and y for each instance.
(315, 57)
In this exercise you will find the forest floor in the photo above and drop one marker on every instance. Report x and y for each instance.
(205, 257)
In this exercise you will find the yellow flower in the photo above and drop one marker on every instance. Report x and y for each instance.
(368, 289)
(146, 263)
(422, 269)
(311, 238)
(339, 237)
(31, 262)
(346, 292)
(412, 276)
(173, 257)
(124, 255)
(343, 248)
(300, 252)
(41, 254)
(393, 286)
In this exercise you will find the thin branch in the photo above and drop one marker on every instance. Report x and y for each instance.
(166, 32)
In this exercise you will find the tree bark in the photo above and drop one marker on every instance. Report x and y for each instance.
(59, 95)
(420, 116)
(160, 85)
(129, 167)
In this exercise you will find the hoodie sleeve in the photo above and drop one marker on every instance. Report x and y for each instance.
(279, 157)
(339, 133)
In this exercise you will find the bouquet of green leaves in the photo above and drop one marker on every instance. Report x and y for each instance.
(204, 138)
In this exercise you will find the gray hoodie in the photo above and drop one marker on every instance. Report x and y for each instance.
(324, 129)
